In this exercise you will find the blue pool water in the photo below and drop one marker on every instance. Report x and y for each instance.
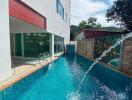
(59, 80)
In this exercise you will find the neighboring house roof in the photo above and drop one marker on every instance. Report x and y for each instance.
(87, 34)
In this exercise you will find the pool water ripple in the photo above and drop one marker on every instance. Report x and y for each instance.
(60, 80)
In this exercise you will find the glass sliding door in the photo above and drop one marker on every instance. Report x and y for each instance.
(55, 44)
(32, 44)
(58, 44)
(18, 44)
(29, 44)
(36, 43)
(12, 44)
(62, 44)
(58, 41)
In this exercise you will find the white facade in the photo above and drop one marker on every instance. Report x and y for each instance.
(80, 36)
(5, 60)
(55, 24)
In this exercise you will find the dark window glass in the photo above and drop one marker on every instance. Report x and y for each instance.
(55, 45)
(58, 44)
(18, 46)
(34, 44)
(60, 9)
(12, 44)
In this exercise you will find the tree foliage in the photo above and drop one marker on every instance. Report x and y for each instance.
(73, 30)
(82, 24)
(121, 13)
(91, 23)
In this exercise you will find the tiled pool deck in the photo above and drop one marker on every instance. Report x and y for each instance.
(23, 71)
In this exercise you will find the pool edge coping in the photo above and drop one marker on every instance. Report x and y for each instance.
(14, 79)
(108, 66)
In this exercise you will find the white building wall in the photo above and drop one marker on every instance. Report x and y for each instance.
(5, 59)
(80, 36)
(55, 23)
(52, 45)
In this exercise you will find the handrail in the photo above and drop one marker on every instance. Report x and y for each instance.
(44, 56)
(13, 67)
(40, 56)
(48, 55)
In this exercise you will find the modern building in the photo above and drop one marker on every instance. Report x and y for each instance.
(30, 27)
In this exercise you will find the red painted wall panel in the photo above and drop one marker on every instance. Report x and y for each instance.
(23, 12)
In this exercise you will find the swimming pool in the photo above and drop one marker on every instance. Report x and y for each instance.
(59, 80)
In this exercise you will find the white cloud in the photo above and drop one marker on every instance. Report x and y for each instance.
(83, 9)
(102, 19)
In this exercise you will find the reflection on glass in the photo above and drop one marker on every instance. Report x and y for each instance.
(18, 45)
(34, 44)
(58, 44)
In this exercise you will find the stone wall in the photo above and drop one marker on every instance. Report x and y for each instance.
(127, 57)
(85, 48)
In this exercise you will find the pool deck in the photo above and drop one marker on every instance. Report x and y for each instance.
(22, 71)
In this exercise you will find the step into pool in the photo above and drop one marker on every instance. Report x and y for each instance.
(60, 80)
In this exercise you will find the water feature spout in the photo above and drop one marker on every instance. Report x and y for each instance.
(119, 41)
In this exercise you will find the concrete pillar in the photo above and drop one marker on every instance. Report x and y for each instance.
(127, 56)
(5, 54)
(52, 44)
(121, 54)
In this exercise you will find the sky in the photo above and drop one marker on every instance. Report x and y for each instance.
(83, 9)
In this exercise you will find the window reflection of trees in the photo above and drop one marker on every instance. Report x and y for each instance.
(103, 43)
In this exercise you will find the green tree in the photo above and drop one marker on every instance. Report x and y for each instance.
(121, 13)
(90, 24)
(72, 35)
(92, 21)
(73, 30)
(98, 26)
(82, 24)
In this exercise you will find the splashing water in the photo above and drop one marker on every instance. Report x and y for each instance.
(50, 66)
(73, 96)
(119, 41)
